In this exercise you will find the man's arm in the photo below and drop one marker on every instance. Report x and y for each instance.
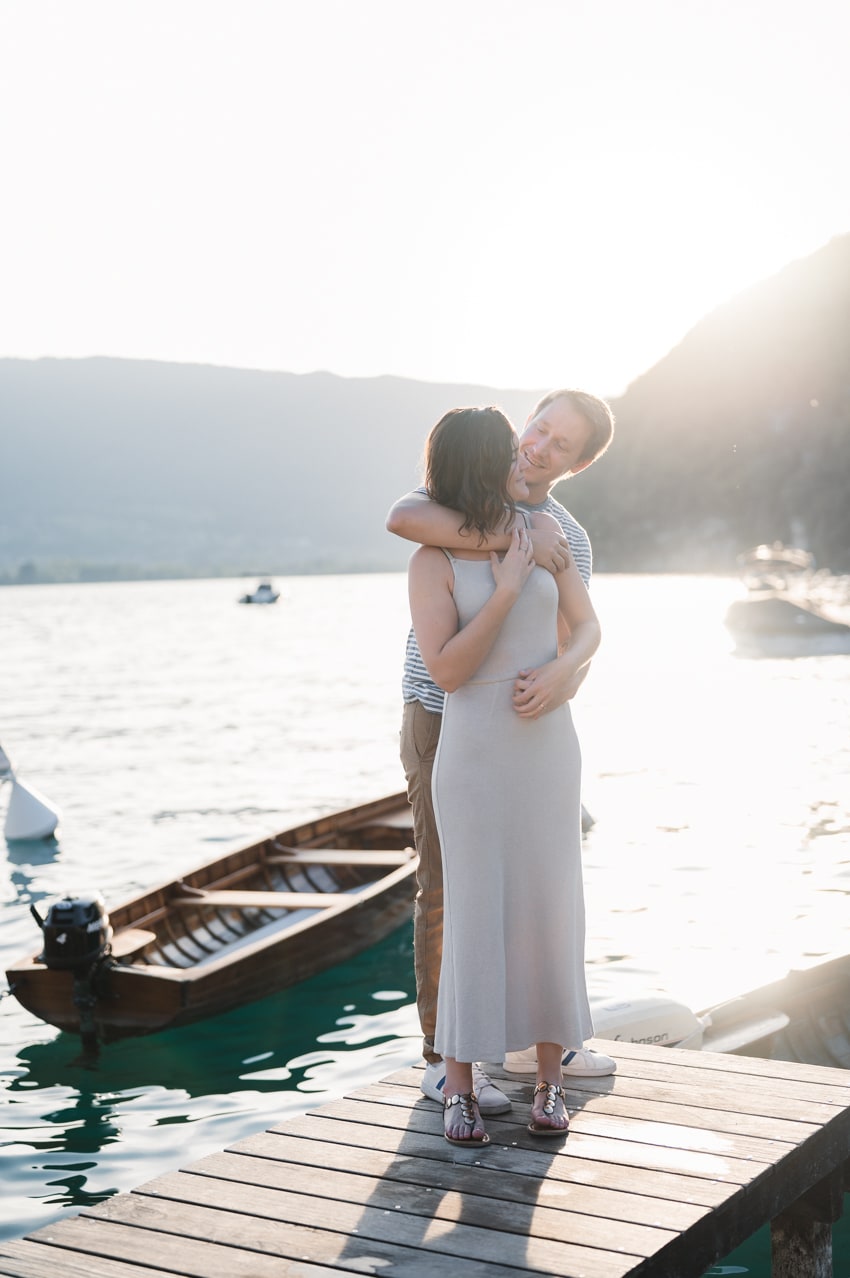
(416, 518)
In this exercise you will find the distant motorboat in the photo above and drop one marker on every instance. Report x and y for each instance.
(264, 594)
(775, 567)
(780, 615)
(777, 615)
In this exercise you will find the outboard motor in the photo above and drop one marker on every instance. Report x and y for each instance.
(77, 932)
(78, 939)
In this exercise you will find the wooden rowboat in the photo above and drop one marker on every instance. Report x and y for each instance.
(236, 929)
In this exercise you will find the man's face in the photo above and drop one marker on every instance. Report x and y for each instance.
(552, 444)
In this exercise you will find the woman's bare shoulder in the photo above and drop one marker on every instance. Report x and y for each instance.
(428, 561)
(428, 554)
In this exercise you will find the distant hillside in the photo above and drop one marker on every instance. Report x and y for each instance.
(740, 435)
(117, 462)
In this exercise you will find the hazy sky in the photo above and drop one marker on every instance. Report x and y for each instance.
(519, 193)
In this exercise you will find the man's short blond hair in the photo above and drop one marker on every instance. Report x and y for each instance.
(596, 413)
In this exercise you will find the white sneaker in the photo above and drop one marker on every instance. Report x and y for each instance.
(490, 1099)
(583, 1062)
(580, 1062)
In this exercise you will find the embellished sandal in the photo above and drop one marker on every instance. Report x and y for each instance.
(467, 1102)
(553, 1092)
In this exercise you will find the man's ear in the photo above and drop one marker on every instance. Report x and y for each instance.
(582, 465)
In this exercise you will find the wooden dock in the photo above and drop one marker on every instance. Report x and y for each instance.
(670, 1164)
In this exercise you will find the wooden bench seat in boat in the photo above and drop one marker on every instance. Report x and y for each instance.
(130, 940)
(337, 856)
(246, 900)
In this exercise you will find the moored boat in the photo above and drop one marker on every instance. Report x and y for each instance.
(782, 615)
(805, 1017)
(775, 567)
(264, 594)
(235, 929)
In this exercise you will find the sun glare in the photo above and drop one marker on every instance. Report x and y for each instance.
(575, 210)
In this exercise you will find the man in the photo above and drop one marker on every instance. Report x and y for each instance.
(565, 433)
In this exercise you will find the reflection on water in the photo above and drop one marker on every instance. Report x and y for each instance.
(88, 1128)
(26, 852)
(168, 723)
(713, 782)
(27, 858)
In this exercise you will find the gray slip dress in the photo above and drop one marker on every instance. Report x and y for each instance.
(508, 806)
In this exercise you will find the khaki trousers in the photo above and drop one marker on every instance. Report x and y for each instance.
(420, 732)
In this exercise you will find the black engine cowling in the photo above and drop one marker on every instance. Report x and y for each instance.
(77, 932)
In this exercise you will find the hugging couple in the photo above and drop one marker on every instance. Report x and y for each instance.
(502, 637)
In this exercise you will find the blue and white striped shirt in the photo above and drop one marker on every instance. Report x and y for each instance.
(417, 684)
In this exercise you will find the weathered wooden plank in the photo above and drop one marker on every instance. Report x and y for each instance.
(350, 1232)
(789, 1074)
(744, 1092)
(617, 1149)
(634, 1099)
(537, 1164)
(744, 1126)
(22, 1258)
(722, 1103)
(712, 1236)
(116, 1247)
(673, 1135)
(592, 1200)
(738, 1088)
(728, 1096)
(650, 1129)
(262, 1195)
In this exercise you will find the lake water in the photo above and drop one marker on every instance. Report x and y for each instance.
(169, 724)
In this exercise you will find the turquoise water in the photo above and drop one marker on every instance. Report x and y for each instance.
(82, 1130)
(168, 723)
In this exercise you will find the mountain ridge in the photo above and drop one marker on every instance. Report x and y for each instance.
(738, 435)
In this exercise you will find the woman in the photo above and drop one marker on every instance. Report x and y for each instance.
(506, 781)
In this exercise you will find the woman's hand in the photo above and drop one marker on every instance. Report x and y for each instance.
(539, 691)
(512, 572)
(536, 692)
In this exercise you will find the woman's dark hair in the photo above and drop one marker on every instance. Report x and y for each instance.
(468, 459)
